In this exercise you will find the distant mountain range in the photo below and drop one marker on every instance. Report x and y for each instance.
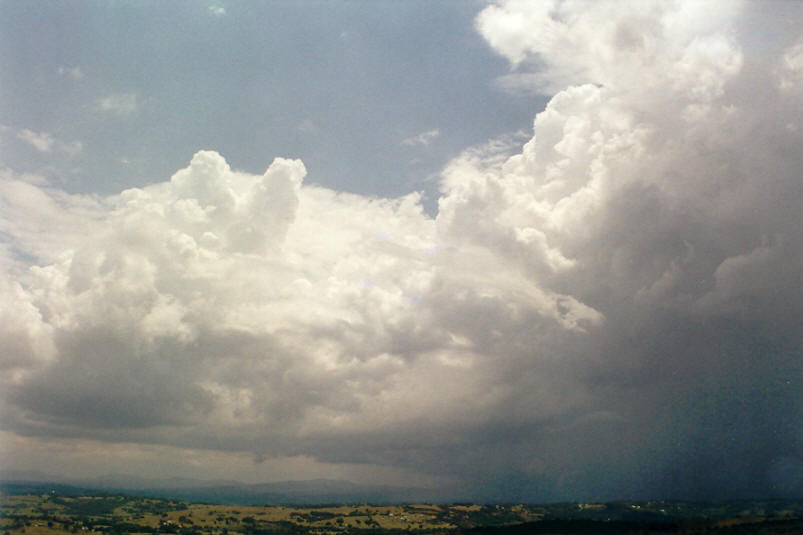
(315, 491)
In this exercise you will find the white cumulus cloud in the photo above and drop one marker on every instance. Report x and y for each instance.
(622, 291)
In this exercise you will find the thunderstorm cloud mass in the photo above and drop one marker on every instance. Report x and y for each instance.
(607, 305)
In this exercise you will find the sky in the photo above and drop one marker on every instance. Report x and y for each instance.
(519, 250)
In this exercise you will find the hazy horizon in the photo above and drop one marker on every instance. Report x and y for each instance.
(533, 250)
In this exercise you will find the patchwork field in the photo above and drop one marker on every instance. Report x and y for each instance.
(52, 514)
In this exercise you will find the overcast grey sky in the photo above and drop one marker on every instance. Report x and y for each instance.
(531, 251)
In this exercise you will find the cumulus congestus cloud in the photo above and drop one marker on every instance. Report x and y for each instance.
(610, 310)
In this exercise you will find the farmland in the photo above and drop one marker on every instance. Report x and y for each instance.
(50, 514)
(54, 514)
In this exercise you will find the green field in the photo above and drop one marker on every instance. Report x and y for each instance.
(52, 514)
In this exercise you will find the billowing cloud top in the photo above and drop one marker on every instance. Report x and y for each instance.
(611, 310)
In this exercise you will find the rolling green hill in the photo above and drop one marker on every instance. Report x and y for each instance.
(29, 511)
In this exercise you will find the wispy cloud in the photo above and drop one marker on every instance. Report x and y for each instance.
(217, 11)
(72, 148)
(308, 126)
(121, 103)
(790, 71)
(41, 141)
(73, 72)
(423, 139)
(45, 142)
